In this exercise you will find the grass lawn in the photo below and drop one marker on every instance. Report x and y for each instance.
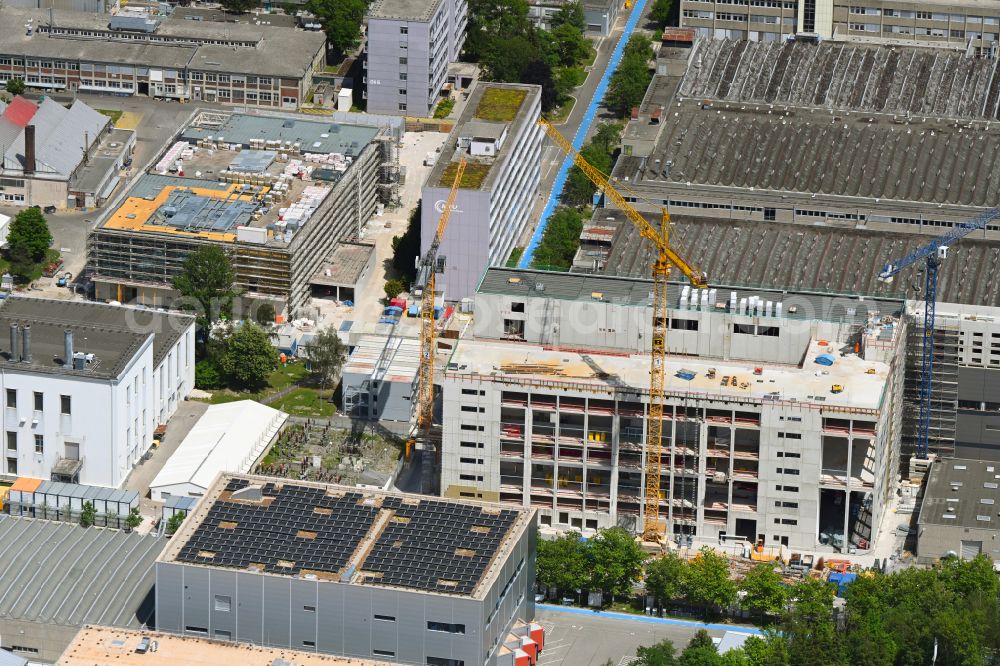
(111, 113)
(444, 108)
(500, 104)
(283, 377)
(472, 178)
(559, 115)
(306, 403)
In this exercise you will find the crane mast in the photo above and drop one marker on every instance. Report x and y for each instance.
(932, 254)
(426, 282)
(666, 259)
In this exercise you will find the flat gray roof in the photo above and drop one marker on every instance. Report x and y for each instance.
(114, 334)
(58, 573)
(483, 129)
(279, 51)
(801, 257)
(962, 494)
(345, 265)
(316, 136)
(408, 10)
(638, 291)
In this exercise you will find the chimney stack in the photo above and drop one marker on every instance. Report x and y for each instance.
(29, 150)
(68, 348)
(26, 343)
(15, 348)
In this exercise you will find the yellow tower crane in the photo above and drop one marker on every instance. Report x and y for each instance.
(652, 529)
(425, 282)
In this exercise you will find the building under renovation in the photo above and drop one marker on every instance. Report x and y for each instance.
(279, 195)
(782, 420)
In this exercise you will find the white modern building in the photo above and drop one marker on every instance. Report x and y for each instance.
(410, 45)
(499, 139)
(227, 438)
(84, 386)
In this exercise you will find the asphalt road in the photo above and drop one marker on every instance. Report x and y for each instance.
(579, 637)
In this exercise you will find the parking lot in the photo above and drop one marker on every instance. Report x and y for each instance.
(580, 637)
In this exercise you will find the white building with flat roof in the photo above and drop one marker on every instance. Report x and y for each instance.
(84, 386)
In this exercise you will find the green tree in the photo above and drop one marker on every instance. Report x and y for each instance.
(562, 562)
(809, 628)
(406, 249)
(700, 651)
(15, 86)
(765, 592)
(238, 6)
(174, 522)
(393, 288)
(249, 357)
(560, 240)
(769, 650)
(572, 48)
(660, 12)
(342, 22)
(29, 235)
(570, 14)
(207, 375)
(134, 519)
(665, 578)
(265, 314)
(660, 654)
(88, 515)
(629, 82)
(326, 354)
(599, 153)
(706, 581)
(616, 560)
(206, 283)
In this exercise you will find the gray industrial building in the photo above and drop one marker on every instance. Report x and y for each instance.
(410, 45)
(379, 378)
(338, 570)
(503, 150)
(599, 15)
(58, 577)
(959, 513)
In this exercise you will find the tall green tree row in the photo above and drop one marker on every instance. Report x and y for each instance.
(611, 562)
(629, 82)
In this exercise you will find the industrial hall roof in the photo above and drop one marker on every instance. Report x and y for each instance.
(61, 134)
(801, 257)
(59, 574)
(962, 494)
(315, 531)
(855, 122)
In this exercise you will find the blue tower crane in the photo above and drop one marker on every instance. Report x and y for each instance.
(933, 254)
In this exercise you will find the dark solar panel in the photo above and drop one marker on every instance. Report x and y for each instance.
(432, 545)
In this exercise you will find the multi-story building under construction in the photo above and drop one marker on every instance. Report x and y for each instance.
(278, 194)
(783, 409)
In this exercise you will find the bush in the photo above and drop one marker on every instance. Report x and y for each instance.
(174, 522)
(207, 375)
(15, 86)
(88, 515)
(393, 288)
(444, 108)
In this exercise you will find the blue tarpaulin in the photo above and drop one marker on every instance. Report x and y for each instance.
(825, 359)
(686, 374)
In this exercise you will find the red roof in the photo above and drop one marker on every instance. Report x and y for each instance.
(20, 111)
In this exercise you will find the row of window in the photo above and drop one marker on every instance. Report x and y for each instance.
(65, 401)
(226, 78)
(142, 36)
(924, 15)
(12, 443)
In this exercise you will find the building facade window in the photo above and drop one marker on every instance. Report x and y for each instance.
(39, 401)
(39, 443)
(65, 404)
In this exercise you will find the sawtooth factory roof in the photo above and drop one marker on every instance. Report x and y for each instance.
(867, 78)
(823, 258)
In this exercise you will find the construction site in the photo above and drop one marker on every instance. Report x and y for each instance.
(280, 196)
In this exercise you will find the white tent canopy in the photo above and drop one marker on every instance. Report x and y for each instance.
(228, 438)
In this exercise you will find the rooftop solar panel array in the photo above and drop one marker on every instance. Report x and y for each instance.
(269, 536)
(424, 544)
(438, 546)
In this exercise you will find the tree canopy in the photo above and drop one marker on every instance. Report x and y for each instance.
(563, 563)
(629, 82)
(249, 356)
(28, 241)
(206, 283)
(599, 153)
(326, 354)
(342, 22)
(764, 592)
(616, 561)
(15, 86)
(560, 240)
(706, 581)
(660, 12)
(238, 6)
